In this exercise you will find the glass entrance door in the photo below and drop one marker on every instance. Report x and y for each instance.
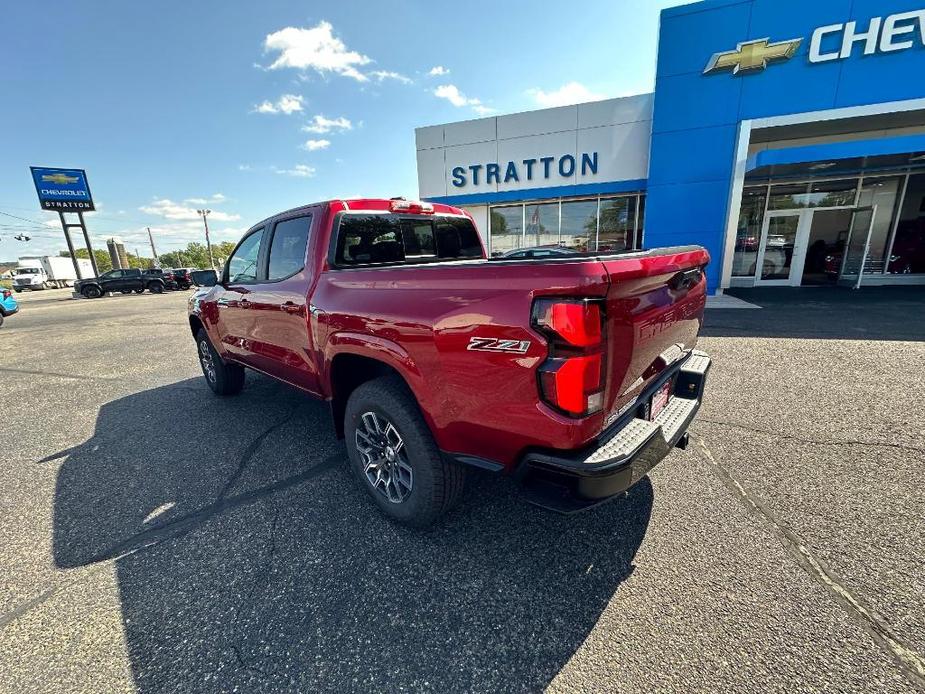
(782, 241)
(858, 247)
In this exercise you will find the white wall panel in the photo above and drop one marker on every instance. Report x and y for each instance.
(623, 150)
(430, 137)
(431, 181)
(615, 111)
(470, 131)
(549, 120)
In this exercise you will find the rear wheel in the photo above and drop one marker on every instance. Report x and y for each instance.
(224, 378)
(156, 288)
(394, 456)
(92, 292)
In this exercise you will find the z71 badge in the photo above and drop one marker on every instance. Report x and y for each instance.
(488, 344)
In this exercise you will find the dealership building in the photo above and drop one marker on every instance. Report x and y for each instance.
(786, 137)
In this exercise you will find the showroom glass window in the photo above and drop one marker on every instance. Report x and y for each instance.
(542, 224)
(617, 225)
(507, 229)
(579, 225)
(748, 233)
(287, 250)
(242, 265)
(883, 192)
(907, 253)
(797, 196)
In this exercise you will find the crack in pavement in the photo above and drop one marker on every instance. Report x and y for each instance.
(251, 450)
(54, 374)
(813, 442)
(910, 663)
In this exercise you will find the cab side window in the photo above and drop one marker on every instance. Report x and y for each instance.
(287, 249)
(242, 265)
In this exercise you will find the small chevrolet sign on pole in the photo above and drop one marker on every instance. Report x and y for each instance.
(66, 190)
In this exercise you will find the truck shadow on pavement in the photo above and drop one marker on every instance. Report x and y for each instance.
(246, 556)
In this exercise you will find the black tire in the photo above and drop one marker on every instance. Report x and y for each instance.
(1, 320)
(126, 291)
(17, 290)
(436, 484)
(224, 378)
(156, 288)
(92, 292)
(140, 290)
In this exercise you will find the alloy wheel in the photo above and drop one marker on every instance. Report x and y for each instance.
(205, 358)
(385, 460)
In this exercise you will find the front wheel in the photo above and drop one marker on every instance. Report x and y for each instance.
(394, 456)
(224, 378)
(156, 288)
(92, 293)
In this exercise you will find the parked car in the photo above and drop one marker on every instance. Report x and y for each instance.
(182, 276)
(8, 305)
(540, 252)
(576, 378)
(124, 281)
(166, 276)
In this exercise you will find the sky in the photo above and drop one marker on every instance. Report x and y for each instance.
(251, 108)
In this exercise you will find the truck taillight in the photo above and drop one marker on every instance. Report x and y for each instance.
(572, 380)
(413, 206)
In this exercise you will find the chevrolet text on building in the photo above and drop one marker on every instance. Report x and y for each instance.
(799, 159)
(898, 32)
(565, 164)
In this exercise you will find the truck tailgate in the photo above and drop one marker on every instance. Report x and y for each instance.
(654, 310)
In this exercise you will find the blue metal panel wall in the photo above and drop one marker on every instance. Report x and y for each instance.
(697, 116)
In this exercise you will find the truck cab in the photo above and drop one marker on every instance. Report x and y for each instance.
(29, 275)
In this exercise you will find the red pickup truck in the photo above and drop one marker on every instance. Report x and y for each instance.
(575, 374)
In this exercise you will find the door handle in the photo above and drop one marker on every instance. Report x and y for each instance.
(290, 307)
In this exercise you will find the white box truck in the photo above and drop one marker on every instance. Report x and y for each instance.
(48, 272)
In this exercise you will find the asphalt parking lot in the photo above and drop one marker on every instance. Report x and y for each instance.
(154, 538)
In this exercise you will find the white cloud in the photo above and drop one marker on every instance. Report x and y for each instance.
(319, 124)
(566, 95)
(382, 75)
(244, 167)
(287, 103)
(451, 93)
(438, 71)
(217, 198)
(314, 145)
(315, 48)
(298, 171)
(168, 209)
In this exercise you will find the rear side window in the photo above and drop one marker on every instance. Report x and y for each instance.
(391, 239)
(287, 250)
(242, 265)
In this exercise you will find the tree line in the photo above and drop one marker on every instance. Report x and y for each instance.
(195, 255)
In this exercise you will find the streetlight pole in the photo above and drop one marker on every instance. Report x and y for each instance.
(204, 214)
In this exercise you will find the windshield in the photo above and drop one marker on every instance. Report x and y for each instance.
(26, 271)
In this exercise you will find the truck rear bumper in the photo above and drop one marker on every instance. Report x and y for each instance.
(573, 481)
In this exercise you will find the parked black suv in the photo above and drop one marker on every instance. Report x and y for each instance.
(182, 276)
(125, 281)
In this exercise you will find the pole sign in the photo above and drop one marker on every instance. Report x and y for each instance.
(62, 190)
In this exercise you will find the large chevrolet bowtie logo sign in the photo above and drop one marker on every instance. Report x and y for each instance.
(752, 56)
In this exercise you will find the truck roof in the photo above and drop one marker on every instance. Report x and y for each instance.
(371, 205)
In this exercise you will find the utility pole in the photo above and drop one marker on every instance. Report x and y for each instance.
(204, 214)
(157, 260)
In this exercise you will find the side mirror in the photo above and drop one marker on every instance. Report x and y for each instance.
(204, 278)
